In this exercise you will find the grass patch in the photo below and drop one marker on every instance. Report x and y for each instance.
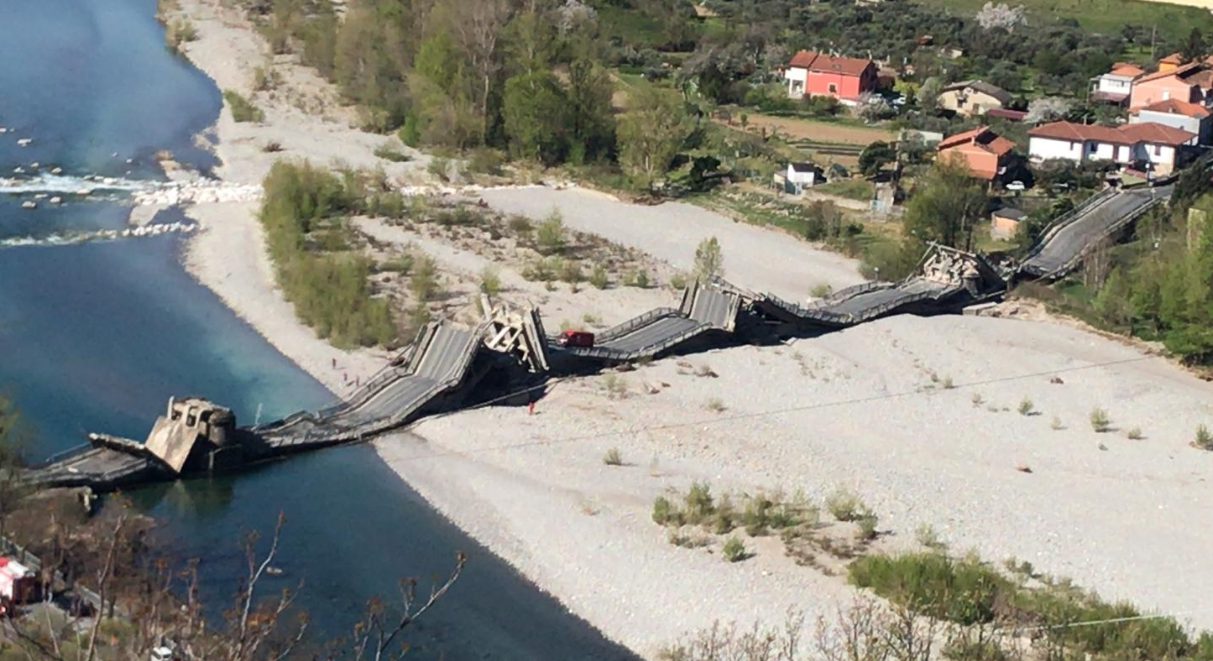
(852, 189)
(242, 109)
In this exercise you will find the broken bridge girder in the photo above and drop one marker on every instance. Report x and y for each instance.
(516, 332)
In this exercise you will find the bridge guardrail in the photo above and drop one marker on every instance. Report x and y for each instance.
(1066, 218)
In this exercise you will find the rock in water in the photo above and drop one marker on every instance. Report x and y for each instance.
(29, 204)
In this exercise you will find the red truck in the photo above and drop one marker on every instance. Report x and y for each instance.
(576, 338)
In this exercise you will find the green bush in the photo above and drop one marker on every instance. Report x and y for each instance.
(734, 550)
(551, 233)
(844, 505)
(242, 109)
(483, 160)
(1204, 438)
(698, 504)
(665, 513)
(520, 225)
(490, 281)
(639, 279)
(598, 276)
(1026, 407)
(965, 591)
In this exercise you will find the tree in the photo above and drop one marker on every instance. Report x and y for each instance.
(1047, 109)
(928, 94)
(591, 124)
(1194, 48)
(945, 205)
(873, 107)
(533, 110)
(1001, 16)
(709, 261)
(478, 26)
(875, 156)
(12, 489)
(651, 135)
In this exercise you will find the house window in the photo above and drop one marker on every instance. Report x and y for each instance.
(1157, 150)
(833, 88)
(1166, 94)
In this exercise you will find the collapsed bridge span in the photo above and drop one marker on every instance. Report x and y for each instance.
(445, 363)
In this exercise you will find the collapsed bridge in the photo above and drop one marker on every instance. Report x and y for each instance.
(445, 364)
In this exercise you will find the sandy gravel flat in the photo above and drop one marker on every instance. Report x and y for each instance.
(860, 409)
(753, 257)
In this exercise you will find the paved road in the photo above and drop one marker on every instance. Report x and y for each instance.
(712, 307)
(1087, 227)
(651, 335)
(441, 363)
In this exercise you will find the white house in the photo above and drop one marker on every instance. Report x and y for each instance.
(1191, 117)
(1116, 85)
(1158, 145)
(804, 174)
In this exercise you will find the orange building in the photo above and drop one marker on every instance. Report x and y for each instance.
(986, 153)
(1190, 83)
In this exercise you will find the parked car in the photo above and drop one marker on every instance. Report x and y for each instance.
(1016, 186)
(575, 338)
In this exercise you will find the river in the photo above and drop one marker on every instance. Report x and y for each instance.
(98, 336)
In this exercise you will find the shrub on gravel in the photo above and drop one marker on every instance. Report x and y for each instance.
(844, 505)
(1204, 440)
(598, 277)
(734, 550)
(1100, 421)
(613, 457)
(665, 513)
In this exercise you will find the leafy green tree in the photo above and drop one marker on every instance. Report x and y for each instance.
(1195, 47)
(875, 156)
(650, 135)
(591, 124)
(945, 205)
(534, 111)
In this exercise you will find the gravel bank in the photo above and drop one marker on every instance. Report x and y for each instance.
(753, 257)
(867, 409)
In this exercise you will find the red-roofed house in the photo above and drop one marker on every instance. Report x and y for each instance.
(1191, 117)
(986, 153)
(1157, 144)
(1192, 83)
(1116, 85)
(819, 74)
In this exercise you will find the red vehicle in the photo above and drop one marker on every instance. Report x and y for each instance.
(575, 338)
